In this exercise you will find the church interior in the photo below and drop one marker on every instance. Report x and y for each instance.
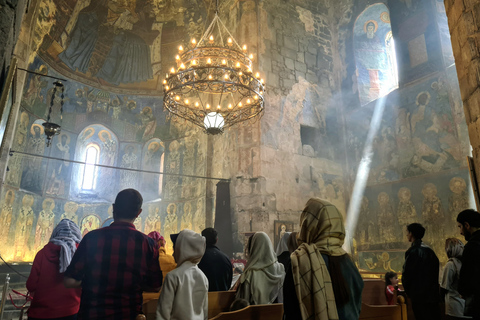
(372, 105)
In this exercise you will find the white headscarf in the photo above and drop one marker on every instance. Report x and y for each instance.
(190, 246)
(66, 235)
(263, 273)
(283, 244)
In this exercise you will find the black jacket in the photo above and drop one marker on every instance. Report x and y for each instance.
(217, 267)
(469, 283)
(420, 273)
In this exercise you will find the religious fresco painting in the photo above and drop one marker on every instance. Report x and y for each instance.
(114, 45)
(375, 55)
(116, 131)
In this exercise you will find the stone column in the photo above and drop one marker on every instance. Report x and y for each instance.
(464, 24)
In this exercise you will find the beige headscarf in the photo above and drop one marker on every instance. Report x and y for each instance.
(263, 275)
(321, 231)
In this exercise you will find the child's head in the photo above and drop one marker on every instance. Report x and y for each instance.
(391, 278)
(239, 304)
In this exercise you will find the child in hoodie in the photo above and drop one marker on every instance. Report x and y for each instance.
(185, 290)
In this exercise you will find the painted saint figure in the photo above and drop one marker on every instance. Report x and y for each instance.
(23, 228)
(70, 212)
(31, 177)
(6, 216)
(89, 222)
(45, 224)
(457, 201)
(152, 222)
(128, 179)
(56, 183)
(406, 212)
(386, 219)
(186, 222)
(171, 225)
(20, 142)
(138, 223)
(199, 217)
(432, 213)
(109, 147)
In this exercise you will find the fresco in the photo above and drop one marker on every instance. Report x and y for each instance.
(374, 53)
(115, 45)
(127, 132)
(418, 133)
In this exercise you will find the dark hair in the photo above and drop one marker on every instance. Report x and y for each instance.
(239, 304)
(127, 204)
(210, 235)
(417, 230)
(388, 276)
(471, 216)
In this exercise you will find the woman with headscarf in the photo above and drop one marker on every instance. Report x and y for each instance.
(323, 282)
(263, 277)
(454, 304)
(51, 300)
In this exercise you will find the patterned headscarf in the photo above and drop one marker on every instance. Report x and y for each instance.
(321, 231)
(66, 235)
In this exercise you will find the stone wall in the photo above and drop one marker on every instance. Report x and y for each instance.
(464, 25)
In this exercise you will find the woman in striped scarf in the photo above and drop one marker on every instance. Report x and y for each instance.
(51, 300)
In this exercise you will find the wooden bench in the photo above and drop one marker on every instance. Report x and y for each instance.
(385, 312)
(217, 302)
(257, 312)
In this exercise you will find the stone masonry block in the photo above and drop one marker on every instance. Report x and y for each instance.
(300, 66)
(476, 15)
(473, 105)
(469, 4)
(291, 43)
(456, 11)
(299, 74)
(289, 63)
(473, 44)
(467, 25)
(301, 56)
(448, 5)
(273, 80)
(288, 83)
(289, 53)
(310, 59)
(279, 39)
(312, 77)
(465, 88)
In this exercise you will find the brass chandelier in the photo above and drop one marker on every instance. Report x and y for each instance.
(213, 85)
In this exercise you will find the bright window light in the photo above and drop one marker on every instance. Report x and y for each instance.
(90, 170)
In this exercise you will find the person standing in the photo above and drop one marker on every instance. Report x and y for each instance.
(215, 264)
(454, 303)
(115, 264)
(51, 300)
(185, 291)
(420, 275)
(468, 221)
(322, 281)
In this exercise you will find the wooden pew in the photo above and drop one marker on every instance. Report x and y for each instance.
(257, 312)
(217, 302)
(385, 312)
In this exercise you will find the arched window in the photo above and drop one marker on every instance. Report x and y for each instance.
(374, 54)
(90, 171)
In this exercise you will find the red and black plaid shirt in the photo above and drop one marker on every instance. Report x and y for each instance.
(115, 264)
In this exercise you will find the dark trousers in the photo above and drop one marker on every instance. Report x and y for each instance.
(426, 310)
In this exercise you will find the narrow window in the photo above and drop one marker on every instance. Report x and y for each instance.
(90, 170)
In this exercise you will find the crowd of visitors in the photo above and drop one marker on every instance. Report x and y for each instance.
(104, 275)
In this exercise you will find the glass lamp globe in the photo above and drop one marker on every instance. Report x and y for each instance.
(214, 123)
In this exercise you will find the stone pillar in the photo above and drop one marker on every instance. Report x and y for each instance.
(464, 24)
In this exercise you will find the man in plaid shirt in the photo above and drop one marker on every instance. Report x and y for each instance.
(114, 265)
